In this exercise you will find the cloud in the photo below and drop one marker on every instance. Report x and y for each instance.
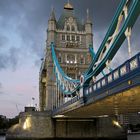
(1, 87)
(3, 41)
(28, 20)
(10, 58)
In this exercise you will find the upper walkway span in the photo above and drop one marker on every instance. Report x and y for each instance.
(116, 93)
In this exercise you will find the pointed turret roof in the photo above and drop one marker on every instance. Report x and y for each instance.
(52, 15)
(88, 17)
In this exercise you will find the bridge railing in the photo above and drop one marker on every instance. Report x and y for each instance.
(127, 67)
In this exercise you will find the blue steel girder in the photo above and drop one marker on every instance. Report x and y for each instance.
(122, 83)
(61, 76)
(58, 66)
(108, 34)
(129, 22)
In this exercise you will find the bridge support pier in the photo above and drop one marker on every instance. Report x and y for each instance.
(87, 128)
(39, 125)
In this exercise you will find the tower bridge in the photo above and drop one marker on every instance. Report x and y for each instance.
(74, 101)
(70, 68)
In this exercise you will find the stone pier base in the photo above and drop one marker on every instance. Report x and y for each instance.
(32, 125)
(39, 125)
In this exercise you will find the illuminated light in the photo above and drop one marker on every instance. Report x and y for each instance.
(67, 61)
(129, 82)
(27, 123)
(59, 116)
(71, 62)
(102, 116)
(116, 123)
(24, 125)
(105, 116)
(75, 62)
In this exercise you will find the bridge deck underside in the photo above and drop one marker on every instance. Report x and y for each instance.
(121, 103)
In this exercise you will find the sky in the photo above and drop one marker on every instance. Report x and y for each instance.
(23, 25)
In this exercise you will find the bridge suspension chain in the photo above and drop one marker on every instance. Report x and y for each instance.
(66, 84)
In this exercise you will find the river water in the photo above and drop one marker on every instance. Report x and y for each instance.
(2, 137)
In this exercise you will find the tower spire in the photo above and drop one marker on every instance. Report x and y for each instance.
(87, 14)
(52, 15)
(88, 17)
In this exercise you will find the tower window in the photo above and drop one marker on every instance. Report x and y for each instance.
(73, 38)
(68, 38)
(70, 59)
(59, 59)
(63, 37)
(81, 59)
(68, 28)
(77, 38)
(73, 28)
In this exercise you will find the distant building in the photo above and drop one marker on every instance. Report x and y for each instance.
(3, 117)
(129, 119)
(72, 38)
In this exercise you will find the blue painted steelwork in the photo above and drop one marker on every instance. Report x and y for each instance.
(93, 56)
(108, 34)
(95, 92)
(129, 22)
(65, 79)
(59, 68)
(98, 65)
(131, 65)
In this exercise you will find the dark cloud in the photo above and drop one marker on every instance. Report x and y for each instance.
(29, 19)
(1, 92)
(3, 41)
(9, 59)
(0, 85)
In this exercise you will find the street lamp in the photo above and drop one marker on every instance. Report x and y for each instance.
(33, 101)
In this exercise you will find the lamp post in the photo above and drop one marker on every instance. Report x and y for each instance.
(33, 101)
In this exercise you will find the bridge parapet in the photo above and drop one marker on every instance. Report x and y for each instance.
(123, 71)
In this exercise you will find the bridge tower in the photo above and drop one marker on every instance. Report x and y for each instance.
(72, 38)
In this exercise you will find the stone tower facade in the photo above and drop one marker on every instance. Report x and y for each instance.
(72, 39)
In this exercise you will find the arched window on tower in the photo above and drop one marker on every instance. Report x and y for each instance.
(77, 38)
(68, 38)
(82, 60)
(70, 59)
(68, 28)
(63, 37)
(88, 58)
(73, 28)
(59, 58)
(73, 38)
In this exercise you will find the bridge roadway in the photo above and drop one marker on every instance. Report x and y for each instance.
(116, 93)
